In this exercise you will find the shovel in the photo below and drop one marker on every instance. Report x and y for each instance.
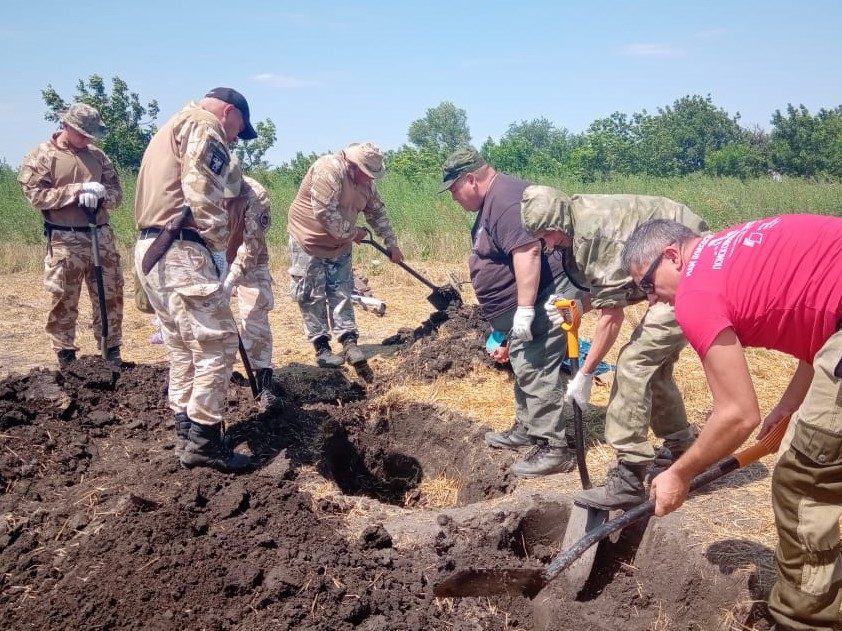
(528, 582)
(100, 283)
(441, 298)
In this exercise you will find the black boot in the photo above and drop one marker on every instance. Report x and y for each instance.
(513, 438)
(204, 448)
(113, 357)
(623, 489)
(543, 459)
(324, 356)
(265, 397)
(352, 352)
(66, 356)
(182, 430)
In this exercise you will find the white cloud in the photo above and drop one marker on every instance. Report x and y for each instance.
(285, 81)
(651, 50)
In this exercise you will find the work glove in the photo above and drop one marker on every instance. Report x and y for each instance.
(552, 313)
(522, 323)
(221, 264)
(579, 389)
(88, 200)
(94, 187)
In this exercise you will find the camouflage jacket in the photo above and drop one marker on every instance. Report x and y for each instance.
(323, 215)
(249, 219)
(52, 176)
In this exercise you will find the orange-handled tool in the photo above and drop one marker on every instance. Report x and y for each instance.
(569, 310)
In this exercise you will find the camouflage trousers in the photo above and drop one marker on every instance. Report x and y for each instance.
(255, 300)
(323, 289)
(69, 263)
(539, 382)
(807, 499)
(197, 325)
(644, 393)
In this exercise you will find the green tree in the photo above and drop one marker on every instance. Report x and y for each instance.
(130, 124)
(608, 147)
(802, 144)
(251, 152)
(414, 164)
(535, 147)
(442, 130)
(738, 159)
(297, 168)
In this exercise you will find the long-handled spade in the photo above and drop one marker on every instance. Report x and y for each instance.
(528, 582)
(91, 213)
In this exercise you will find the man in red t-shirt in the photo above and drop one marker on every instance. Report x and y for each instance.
(774, 283)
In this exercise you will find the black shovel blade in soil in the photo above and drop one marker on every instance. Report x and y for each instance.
(443, 297)
(583, 519)
(488, 582)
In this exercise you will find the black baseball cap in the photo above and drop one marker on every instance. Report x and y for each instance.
(232, 97)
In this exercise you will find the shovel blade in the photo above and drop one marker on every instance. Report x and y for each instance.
(443, 297)
(488, 582)
(582, 520)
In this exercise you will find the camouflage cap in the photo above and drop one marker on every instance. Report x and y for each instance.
(84, 119)
(234, 181)
(544, 208)
(368, 157)
(463, 160)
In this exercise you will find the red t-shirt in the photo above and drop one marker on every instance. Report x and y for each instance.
(777, 282)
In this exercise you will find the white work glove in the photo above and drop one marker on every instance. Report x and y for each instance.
(522, 323)
(88, 200)
(221, 264)
(552, 312)
(94, 187)
(579, 389)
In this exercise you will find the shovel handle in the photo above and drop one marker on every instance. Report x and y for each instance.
(769, 444)
(383, 250)
(91, 214)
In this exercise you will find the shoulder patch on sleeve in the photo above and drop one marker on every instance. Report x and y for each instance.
(217, 158)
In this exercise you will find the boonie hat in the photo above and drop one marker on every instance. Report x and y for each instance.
(84, 119)
(368, 157)
(232, 97)
(463, 160)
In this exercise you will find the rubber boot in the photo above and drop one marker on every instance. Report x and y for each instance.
(182, 431)
(66, 356)
(204, 448)
(265, 397)
(623, 488)
(112, 356)
(513, 438)
(352, 352)
(544, 460)
(324, 356)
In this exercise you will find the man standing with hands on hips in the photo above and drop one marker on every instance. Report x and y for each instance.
(183, 238)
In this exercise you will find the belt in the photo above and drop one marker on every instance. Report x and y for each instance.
(51, 227)
(185, 234)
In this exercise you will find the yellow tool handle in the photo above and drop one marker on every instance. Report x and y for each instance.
(572, 318)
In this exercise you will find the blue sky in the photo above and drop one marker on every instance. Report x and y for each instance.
(329, 73)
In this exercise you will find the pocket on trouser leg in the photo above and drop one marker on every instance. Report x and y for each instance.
(299, 289)
(203, 318)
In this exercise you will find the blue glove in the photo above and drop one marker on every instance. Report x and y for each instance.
(522, 323)
(221, 264)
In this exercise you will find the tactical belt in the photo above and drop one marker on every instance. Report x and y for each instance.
(51, 227)
(185, 234)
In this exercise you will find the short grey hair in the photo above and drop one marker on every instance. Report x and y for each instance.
(651, 238)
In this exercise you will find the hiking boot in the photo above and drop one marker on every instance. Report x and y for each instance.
(266, 399)
(623, 488)
(182, 431)
(66, 356)
(205, 447)
(544, 459)
(513, 438)
(112, 356)
(665, 457)
(352, 352)
(324, 356)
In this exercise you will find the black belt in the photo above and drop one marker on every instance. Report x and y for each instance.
(185, 234)
(51, 227)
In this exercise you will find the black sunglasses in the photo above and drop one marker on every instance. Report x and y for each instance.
(647, 284)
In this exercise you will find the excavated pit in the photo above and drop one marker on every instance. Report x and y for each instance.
(100, 528)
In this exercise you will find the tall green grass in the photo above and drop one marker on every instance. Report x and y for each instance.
(431, 227)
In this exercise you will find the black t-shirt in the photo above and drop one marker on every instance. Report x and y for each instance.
(496, 232)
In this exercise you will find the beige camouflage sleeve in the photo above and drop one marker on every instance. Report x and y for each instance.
(203, 173)
(111, 182)
(36, 179)
(258, 219)
(610, 285)
(375, 215)
(324, 193)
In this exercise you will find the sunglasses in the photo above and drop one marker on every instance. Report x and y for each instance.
(647, 283)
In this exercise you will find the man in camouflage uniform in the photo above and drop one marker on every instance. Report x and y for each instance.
(590, 231)
(65, 178)
(322, 227)
(249, 218)
(186, 165)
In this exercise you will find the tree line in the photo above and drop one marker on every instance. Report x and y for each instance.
(692, 135)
